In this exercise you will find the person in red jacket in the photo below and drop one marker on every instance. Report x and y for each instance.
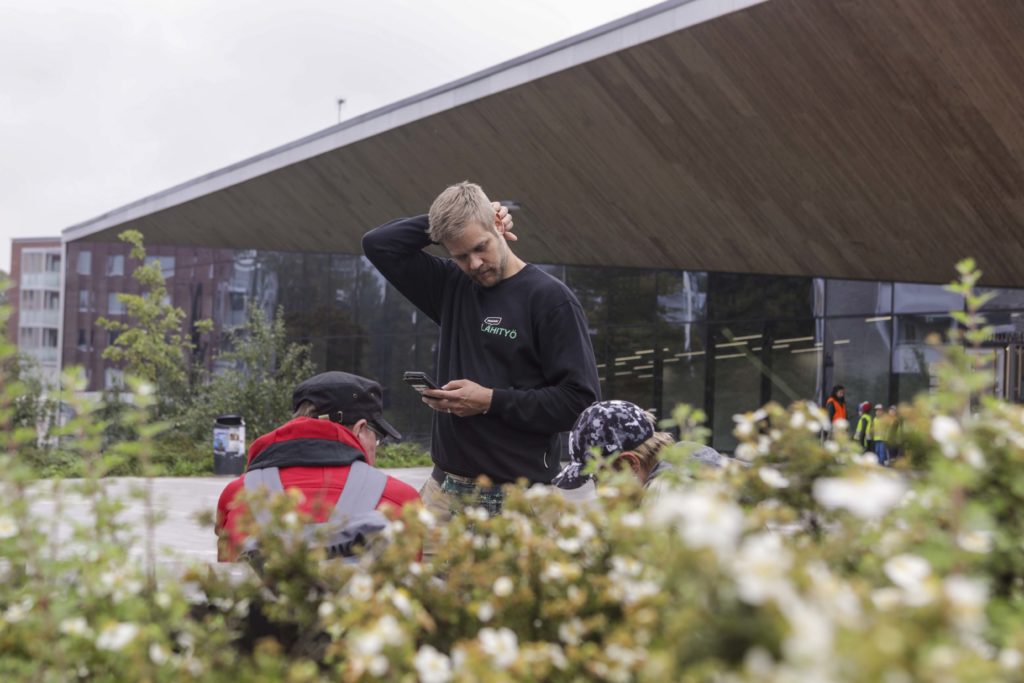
(337, 421)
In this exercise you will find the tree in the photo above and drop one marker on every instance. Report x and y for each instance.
(152, 344)
(263, 369)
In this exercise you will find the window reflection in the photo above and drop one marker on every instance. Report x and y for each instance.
(736, 371)
(918, 298)
(855, 297)
(858, 358)
(919, 339)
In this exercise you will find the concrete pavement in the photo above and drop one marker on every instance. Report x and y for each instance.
(180, 538)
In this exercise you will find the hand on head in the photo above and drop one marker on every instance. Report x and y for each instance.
(503, 222)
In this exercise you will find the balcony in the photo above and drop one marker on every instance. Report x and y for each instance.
(46, 355)
(45, 280)
(43, 318)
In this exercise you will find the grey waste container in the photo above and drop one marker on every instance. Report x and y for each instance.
(228, 444)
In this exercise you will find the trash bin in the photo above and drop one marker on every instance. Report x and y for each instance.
(228, 444)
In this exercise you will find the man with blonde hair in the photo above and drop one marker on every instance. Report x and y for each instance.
(514, 360)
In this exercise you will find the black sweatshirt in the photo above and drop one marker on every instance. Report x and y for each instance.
(526, 338)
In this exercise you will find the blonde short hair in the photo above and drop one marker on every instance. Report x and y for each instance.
(649, 451)
(457, 207)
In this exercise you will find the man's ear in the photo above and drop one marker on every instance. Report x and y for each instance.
(632, 460)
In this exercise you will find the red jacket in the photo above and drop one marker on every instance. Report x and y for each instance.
(316, 447)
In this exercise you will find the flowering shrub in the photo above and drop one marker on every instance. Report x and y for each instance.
(807, 562)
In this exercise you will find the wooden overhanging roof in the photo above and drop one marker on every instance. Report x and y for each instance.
(875, 139)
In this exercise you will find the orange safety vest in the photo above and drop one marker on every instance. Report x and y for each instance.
(840, 409)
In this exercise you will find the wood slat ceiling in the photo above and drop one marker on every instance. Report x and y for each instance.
(876, 139)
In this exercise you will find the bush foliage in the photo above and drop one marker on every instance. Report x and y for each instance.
(804, 561)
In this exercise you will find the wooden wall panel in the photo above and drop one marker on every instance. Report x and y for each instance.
(877, 139)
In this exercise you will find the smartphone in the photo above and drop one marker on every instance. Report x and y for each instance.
(420, 381)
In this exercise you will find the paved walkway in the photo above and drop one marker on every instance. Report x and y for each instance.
(179, 537)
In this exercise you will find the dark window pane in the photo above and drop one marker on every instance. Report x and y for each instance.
(1004, 299)
(632, 295)
(682, 360)
(793, 361)
(854, 297)
(591, 288)
(734, 296)
(630, 365)
(737, 378)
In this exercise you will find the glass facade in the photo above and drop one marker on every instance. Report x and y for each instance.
(723, 342)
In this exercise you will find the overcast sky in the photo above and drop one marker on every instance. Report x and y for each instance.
(104, 102)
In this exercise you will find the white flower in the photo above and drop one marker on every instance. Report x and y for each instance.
(570, 545)
(561, 571)
(773, 478)
(945, 429)
(503, 586)
(760, 569)
(975, 541)
(974, 457)
(394, 529)
(367, 643)
(557, 656)
(501, 644)
(360, 587)
(797, 420)
(8, 527)
(968, 598)
(607, 491)
(290, 519)
(947, 432)
(868, 496)
(631, 592)
(476, 513)
(432, 666)
(840, 425)
(912, 574)
(536, 492)
(705, 519)
(162, 600)
(388, 630)
(485, 612)
(402, 602)
(632, 520)
(426, 517)
(157, 654)
(18, 611)
(887, 598)
(628, 567)
(811, 633)
(326, 609)
(378, 666)
(115, 636)
(571, 632)
(74, 626)
(746, 424)
(1011, 659)
(907, 571)
(746, 452)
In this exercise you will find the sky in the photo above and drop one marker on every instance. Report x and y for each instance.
(103, 102)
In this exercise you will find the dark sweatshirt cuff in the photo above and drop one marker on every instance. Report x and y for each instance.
(499, 399)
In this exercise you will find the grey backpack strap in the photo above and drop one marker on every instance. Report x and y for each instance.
(268, 478)
(362, 491)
